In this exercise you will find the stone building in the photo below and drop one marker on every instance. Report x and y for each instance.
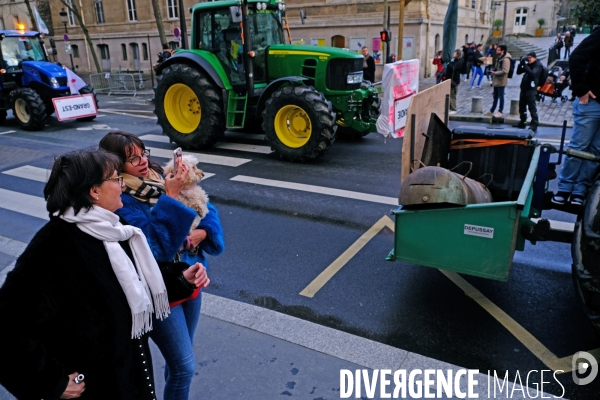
(522, 16)
(14, 12)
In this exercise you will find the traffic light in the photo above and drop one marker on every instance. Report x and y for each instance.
(391, 58)
(385, 36)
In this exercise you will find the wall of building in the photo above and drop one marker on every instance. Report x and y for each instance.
(13, 12)
(533, 10)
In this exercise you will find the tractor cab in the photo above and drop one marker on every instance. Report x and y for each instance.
(221, 32)
(17, 47)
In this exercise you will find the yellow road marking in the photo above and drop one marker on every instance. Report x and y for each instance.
(335, 266)
(521, 334)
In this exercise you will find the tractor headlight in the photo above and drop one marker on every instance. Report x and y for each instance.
(54, 83)
(356, 77)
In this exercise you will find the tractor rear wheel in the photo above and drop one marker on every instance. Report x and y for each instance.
(299, 123)
(189, 107)
(2, 116)
(585, 250)
(88, 90)
(29, 109)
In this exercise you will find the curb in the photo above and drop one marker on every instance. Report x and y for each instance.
(507, 120)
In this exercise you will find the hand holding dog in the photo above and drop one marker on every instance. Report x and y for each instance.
(197, 236)
(196, 275)
(175, 182)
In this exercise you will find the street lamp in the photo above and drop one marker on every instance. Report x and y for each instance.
(63, 18)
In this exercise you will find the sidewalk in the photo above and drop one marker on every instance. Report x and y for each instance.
(252, 353)
(551, 113)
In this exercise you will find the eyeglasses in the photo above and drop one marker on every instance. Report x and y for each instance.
(116, 178)
(136, 160)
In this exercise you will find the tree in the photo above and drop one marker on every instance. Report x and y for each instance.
(541, 22)
(159, 23)
(73, 7)
(587, 12)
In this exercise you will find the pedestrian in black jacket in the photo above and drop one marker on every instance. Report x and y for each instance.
(453, 73)
(82, 296)
(368, 65)
(577, 176)
(532, 69)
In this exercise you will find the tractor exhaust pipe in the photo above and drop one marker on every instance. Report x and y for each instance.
(247, 46)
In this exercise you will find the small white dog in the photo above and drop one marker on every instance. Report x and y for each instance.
(192, 195)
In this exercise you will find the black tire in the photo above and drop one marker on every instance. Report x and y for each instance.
(2, 116)
(293, 111)
(29, 109)
(88, 90)
(586, 257)
(191, 113)
(347, 133)
(49, 108)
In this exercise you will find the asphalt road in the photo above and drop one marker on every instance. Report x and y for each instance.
(285, 223)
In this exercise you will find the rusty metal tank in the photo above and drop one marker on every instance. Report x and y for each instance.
(436, 185)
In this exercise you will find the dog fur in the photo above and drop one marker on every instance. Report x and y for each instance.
(192, 195)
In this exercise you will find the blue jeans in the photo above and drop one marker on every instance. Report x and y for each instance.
(477, 71)
(174, 336)
(498, 95)
(577, 176)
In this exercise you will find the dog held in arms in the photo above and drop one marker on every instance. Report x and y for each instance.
(192, 195)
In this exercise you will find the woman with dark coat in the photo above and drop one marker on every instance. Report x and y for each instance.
(150, 203)
(82, 295)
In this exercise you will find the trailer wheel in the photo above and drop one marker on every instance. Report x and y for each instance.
(299, 123)
(29, 109)
(189, 107)
(585, 250)
(88, 90)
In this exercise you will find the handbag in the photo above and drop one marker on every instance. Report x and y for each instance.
(178, 289)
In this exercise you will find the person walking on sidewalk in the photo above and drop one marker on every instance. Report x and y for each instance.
(150, 203)
(477, 67)
(500, 80)
(531, 69)
(576, 176)
(453, 73)
(558, 44)
(568, 44)
(470, 57)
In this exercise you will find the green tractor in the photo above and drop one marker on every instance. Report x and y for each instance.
(241, 74)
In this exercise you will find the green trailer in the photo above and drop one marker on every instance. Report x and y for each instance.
(481, 239)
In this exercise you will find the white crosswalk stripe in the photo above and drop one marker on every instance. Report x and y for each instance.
(30, 172)
(250, 148)
(202, 158)
(23, 203)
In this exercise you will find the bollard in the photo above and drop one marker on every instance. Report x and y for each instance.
(477, 105)
(514, 107)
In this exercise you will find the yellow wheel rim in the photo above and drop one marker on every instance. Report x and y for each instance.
(22, 111)
(182, 108)
(293, 126)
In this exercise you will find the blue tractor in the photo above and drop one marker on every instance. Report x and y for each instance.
(29, 81)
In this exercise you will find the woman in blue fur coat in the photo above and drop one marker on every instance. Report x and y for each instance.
(149, 203)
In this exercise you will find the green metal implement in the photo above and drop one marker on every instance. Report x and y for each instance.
(477, 239)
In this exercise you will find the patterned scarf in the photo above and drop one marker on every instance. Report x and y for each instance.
(146, 190)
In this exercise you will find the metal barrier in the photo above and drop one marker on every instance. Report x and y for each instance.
(113, 83)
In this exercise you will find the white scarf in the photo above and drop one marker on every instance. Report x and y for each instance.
(139, 281)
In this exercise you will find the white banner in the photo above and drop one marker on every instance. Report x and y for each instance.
(72, 107)
(400, 81)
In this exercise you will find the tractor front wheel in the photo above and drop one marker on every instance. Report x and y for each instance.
(29, 109)
(299, 123)
(189, 107)
(585, 250)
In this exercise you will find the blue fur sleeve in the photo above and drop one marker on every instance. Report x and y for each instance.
(166, 225)
(214, 243)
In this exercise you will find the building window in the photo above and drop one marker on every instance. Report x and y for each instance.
(70, 14)
(521, 17)
(104, 54)
(473, 3)
(124, 51)
(99, 11)
(467, 3)
(172, 7)
(145, 51)
(467, 38)
(75, 50)
(131, 10)
(135, 52)
(437, 43)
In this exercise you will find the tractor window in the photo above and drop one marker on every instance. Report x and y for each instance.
(17, 49)
(265, 28)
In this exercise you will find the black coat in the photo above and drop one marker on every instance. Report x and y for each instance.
(369, 72)
(532, 72)
(63, 310)
(453, 71)
(584, 65)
